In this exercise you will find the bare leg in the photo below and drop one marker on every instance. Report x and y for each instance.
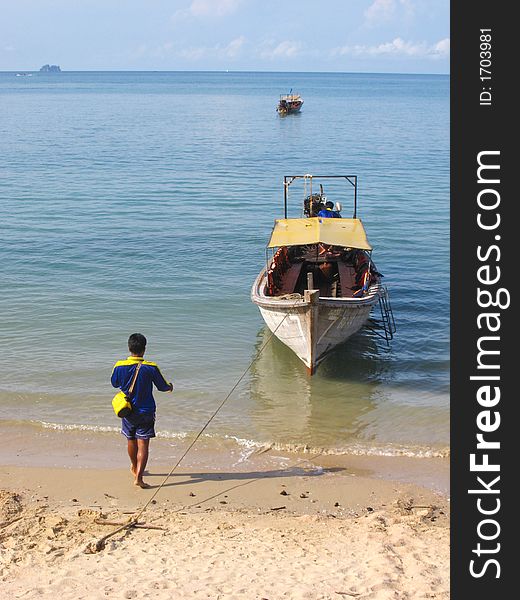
(132, 453)
(142, 459)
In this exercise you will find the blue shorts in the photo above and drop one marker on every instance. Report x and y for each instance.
(138, 426)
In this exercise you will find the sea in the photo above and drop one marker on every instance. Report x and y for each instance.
(143, 202)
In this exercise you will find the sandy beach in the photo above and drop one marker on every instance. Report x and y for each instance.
(317, 529)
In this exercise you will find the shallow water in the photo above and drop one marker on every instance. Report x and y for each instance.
(143, 202)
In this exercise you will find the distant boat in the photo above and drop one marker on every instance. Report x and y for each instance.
(289, 103)
(321, 284)
(24, 74)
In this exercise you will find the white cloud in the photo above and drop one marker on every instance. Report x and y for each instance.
(234, 47)
(231, 50)
(380, 10)
(442, 47)
(207, 8)
(385, 10)
(398, 47)
(203, 8)
(171, 49)
(285, 49)
(194, 53)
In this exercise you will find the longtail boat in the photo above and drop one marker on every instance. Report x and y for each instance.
(289, 103)
(320, 283)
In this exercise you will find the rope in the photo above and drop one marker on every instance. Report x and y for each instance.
(94, 547)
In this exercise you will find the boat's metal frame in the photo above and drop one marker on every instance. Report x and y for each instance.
(289, 179)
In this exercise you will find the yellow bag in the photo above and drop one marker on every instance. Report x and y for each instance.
(121, 402)
(121, 405)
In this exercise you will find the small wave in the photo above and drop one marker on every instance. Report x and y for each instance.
(74, 427)
(353, 449)
(253, 447)
(171, 435)
(102, 429)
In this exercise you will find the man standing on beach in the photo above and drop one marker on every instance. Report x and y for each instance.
(138, 426)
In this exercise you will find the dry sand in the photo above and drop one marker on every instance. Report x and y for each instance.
(314, 533)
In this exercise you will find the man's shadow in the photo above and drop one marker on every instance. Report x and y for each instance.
(254, 475)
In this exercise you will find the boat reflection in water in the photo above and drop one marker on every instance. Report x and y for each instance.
(293, 410)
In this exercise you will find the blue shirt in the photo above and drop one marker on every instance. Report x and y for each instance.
(328, 213)
(149, 375)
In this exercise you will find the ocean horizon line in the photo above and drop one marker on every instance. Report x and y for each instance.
(371, 73)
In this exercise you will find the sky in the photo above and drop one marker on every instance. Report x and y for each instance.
(372, 36)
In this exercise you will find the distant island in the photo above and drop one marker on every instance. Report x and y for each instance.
(51, 69)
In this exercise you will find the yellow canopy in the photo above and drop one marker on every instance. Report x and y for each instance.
(348, 233)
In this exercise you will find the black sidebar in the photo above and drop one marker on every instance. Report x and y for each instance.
(485, 433)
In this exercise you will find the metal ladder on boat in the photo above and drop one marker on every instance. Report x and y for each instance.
(386, 327)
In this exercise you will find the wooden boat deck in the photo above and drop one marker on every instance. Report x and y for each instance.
(290, 278)
(347, 279)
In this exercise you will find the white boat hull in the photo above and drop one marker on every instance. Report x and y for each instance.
(311, 326)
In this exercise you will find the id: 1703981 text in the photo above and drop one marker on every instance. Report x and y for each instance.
(485, 67)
